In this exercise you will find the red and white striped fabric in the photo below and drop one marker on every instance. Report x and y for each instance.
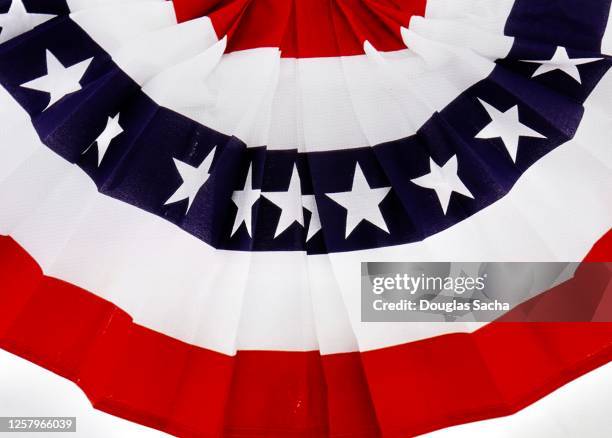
(250, 325)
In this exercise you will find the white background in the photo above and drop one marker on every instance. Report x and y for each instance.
(582, 408)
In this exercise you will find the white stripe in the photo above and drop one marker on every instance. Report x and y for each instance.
(115, 26)
(309, 104)
(606, 43)
(466, 9)
(174, 283)
(76, 5)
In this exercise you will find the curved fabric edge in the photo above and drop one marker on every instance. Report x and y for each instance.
(144, 376)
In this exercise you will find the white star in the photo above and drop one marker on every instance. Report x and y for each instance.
(444, 180)
(290, 203)
(59, 80)
(506, 125)
(112, 130)
(244, 200)
(561, 61)
(193, 179)
(310, 203)
(362, 203)
(18, 20)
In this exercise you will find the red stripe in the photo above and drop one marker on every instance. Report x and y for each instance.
(147, 377)
(306, 29)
